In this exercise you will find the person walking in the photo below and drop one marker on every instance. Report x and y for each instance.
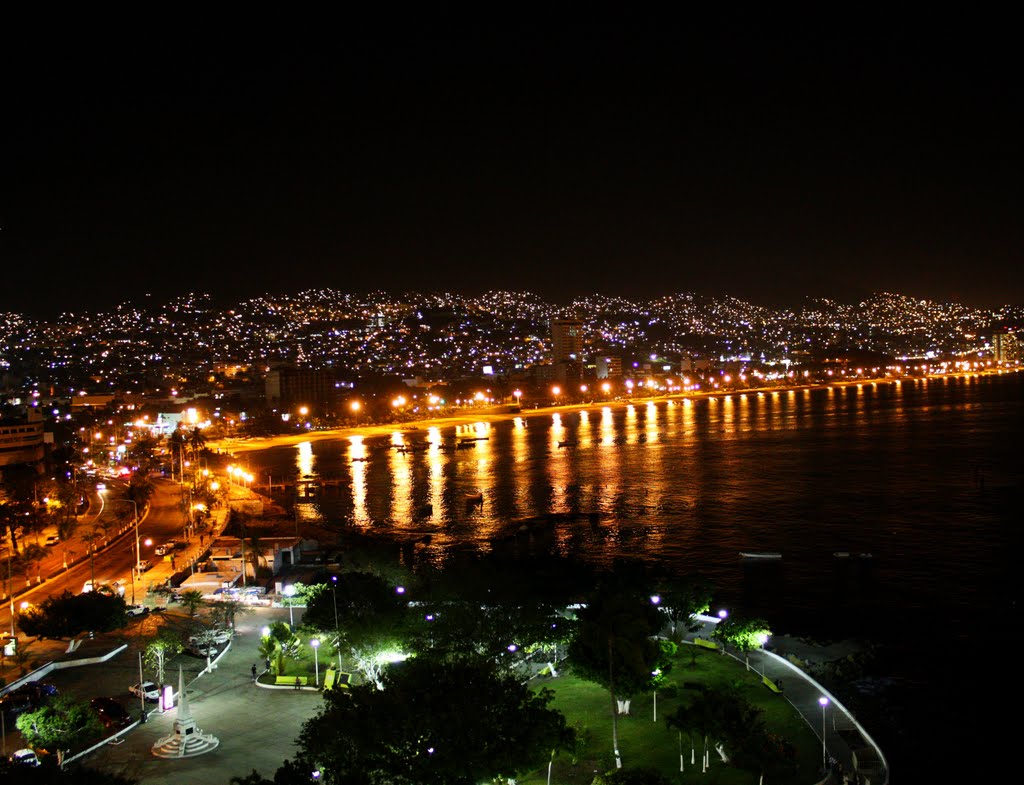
(254, 673)
(298, 682)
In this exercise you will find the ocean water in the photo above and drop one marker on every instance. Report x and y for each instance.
(917, 474)
(919, 481)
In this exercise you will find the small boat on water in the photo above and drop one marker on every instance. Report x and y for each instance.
(841, 554)
(474, 498)
(760, 555)
(568, 443)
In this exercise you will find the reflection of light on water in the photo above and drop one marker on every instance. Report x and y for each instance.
(607, 427)
(651, 421)
(304, 458)
(629, 425)
(481, 428)
(609, 459)
(401, 484)
(357, 449)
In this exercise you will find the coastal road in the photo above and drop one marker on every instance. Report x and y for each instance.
(163, 521)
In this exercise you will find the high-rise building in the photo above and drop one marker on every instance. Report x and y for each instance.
(1005, 346)
(567, 340)
(300, 386)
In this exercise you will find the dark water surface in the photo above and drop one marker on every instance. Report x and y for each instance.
(923, 475)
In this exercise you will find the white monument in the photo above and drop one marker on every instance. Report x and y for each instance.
(186, 740)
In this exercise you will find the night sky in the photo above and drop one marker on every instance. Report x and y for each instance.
(761, 157)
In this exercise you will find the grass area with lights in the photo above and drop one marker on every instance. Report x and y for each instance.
(644, 742)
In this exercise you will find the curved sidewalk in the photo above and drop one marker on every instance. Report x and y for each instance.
(846, 740)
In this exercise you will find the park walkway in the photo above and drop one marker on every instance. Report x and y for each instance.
(846, 742)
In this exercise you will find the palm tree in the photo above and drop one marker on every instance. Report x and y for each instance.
(90, 539)
(177, 443)
(140, 490)
(31, 557)
(255, 543)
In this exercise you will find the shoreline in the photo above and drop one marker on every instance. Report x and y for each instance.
(235, 447)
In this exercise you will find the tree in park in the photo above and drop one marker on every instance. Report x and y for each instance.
(434, 723)
(680, 599)
(280, 646)
(743, 634)
(63, 724)
(159, 650)
(614, 645)
(727, 721)
(372, 619)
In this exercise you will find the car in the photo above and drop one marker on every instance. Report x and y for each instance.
(143, 566)
(161, 550)
(147, 690)
(25, 757)
(136, 610)
(112, 714)
(197, 649)
(52, 540)
(36, 692)
(15, 703)
(217, 636)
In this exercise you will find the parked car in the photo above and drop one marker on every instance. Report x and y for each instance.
(216, 636)
(201, 649)
(136, 610)
(25, 757)
(161, 550)
(143, 566)
(17, 702)
(112, 714)
(35, 692)
(52, 540)
(147, 690)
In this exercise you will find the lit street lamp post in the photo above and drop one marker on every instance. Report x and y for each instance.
(337, 629)
(824, 702)
(138, 551)
(316, 660)
(289, 592)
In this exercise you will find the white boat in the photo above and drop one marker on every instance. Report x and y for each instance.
(760, 555)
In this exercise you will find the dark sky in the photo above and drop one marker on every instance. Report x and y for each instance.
(763, 157)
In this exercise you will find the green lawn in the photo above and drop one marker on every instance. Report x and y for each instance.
(644, 742)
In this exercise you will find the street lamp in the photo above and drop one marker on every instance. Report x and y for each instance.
(316, 660)
(337, 629)
(138, 552)
(289, 592)
(824, 702)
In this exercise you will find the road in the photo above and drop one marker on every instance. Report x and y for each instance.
(163, 520)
